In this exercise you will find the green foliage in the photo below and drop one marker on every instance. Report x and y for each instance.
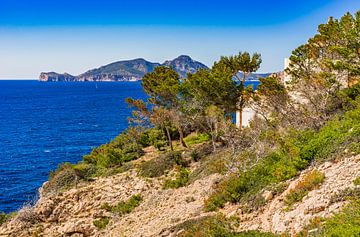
(346, 194)
(123, 148)
(201, 151)
(357, 181)
(162, 85)
(209, 163)
(159, 165)
(195, 138)
(276, 167)
(61, 179)
(124, 207)
(101, 223)
(311, 181)
(4, 217)
(343, 224)
(157, 139)
(334, 137)
(182, 178)
(215, 226)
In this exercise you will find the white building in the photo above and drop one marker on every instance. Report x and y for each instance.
(248, 113)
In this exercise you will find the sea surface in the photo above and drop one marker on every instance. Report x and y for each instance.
(45, 124)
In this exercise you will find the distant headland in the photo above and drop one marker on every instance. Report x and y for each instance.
(130, 70)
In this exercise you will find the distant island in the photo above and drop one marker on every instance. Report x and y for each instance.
(131, 70)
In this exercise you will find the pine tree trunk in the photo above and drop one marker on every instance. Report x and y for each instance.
(182, 138)
(169, 138)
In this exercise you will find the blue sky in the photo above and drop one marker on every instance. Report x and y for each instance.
(74, 36)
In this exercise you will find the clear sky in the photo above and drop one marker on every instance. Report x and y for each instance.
(76, 35)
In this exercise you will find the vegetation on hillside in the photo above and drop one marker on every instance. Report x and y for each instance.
(313, 118)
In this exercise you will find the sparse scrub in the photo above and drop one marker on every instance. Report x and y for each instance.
(27, 214)
(311, 181)
(61, 179)
(182, 178)
(124, 207)
(196, 138)
(160, 165)
(4, 217)
(343, 224)
(213, 226)
(357, 181)
(201, 151)
(101, 223)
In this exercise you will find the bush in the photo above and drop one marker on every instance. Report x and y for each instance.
(357, 181)
(61, 179)
(335, 137)
(101, 223)
(244, 187)
(214, 226)
(158, 166)
(195, 138)
(181, 180)
(4, 218)
(311, 181)
(201, 151)
(84, 171)
(125, 147)
(346, 223)
(124, 207)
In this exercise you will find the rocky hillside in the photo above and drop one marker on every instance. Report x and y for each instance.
(82, 210)
(130, 70)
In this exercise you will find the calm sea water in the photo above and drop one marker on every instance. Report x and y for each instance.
(44, 124)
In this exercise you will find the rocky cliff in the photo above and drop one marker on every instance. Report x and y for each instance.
(129, 70)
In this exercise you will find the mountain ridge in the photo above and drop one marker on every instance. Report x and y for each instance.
(126, 70)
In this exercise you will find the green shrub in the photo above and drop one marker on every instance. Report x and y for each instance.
(210, 164)
(346, 194)
(201, 151)
(101, 223)
(61, 179)
(334, 138)
(343, 224)
(214, 226)
(157, 139)
(311, 181)
(196, 138)
(84, 171)
(159, 165)
(125, 147)
(244, 187)
(181, 180)
(124, 207)
(357, 181)
(4, 217)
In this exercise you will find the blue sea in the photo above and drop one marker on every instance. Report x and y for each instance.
(44, 124)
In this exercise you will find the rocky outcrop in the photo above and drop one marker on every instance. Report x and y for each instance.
(53, 76)
(129, 70)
